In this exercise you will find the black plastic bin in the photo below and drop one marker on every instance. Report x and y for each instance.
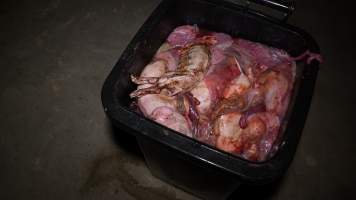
(184, 162)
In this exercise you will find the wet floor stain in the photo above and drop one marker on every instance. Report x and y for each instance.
(116, 172)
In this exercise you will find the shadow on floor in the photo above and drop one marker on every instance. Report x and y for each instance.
(126, 141)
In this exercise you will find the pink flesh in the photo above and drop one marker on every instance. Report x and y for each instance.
(217, 55)
(288, 70)
(191, 112)
(236, 140)
(219, 77)
(205, 134)
(256, 109)
(246, 61)
(215, 82)
(252, 137)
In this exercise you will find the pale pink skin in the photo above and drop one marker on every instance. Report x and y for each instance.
(264, 55)
(155, 69)
(150, 102)
(202, 94)
(162, 109)
(170, 56)
(170, 118)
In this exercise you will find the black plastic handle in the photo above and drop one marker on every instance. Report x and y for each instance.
(279, 9)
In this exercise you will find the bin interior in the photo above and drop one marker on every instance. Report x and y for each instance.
(212, 15)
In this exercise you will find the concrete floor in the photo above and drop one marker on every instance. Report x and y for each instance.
(56, 143)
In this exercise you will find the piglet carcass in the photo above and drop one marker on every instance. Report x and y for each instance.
(227, 92)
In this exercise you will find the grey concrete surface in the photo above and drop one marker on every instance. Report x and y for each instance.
(56, 143)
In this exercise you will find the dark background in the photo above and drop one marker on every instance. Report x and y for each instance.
(56, 143)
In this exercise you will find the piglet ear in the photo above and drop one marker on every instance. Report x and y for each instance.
(223, 41)
(183, 35)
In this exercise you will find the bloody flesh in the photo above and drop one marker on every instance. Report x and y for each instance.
(228, 92)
